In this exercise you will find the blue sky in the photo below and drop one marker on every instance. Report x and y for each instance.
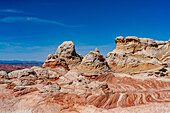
(32, 29)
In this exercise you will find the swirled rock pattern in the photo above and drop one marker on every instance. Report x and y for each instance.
(68, 83)
(73, 91)
(135, 54)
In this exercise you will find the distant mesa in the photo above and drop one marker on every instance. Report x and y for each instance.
(11, 65)
(18, 62)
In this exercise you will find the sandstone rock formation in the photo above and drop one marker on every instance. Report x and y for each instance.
(93, 64)
(163, 72)
(75, 92)
(65, 55)
(136, 54)
(54, 62)
(65, 83)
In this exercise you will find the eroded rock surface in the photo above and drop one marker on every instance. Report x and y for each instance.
(136, 54)
(65, 55)
(65, 83)
(73, 91)
(93, 64)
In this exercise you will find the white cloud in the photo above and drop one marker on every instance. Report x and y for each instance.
(33, 19)
(13, 11)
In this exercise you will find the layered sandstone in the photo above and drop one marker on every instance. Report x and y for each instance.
(93, 64)
(136, 54)
(30, 91)
(68, 83)
(65, 55)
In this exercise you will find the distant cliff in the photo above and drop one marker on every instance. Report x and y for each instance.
(12, 65)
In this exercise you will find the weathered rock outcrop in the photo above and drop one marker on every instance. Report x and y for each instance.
(66, 83)
(135, 54)
(65, 56)
(162, 72)
(54, 62)
(93, 64)
(75, 92)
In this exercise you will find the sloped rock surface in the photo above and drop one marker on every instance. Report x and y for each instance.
(130, 91)
(72, 92)
(136, 54)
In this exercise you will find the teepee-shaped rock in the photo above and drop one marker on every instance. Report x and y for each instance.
(93, 63)
(65, 55)
(96, 50)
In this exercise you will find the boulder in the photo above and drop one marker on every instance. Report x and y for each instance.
(119, 40)
(131, 39)
(41, 72)
(73, 76)
(35, 71)
(3, 74)
(20, 73)
(66, 49)
(54, 88)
